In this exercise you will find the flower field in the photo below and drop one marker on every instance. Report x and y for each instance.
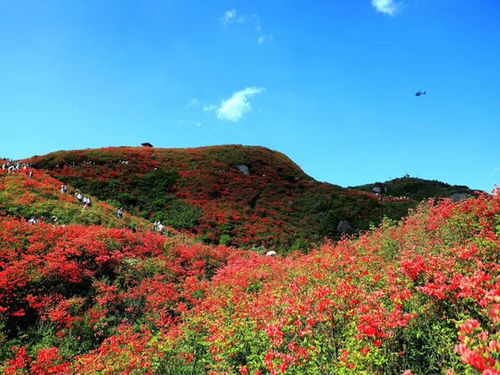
(420, 296)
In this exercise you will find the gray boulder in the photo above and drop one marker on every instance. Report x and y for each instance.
(344, 227)
(459, 196)
(243, 169)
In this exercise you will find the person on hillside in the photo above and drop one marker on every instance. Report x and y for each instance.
(86, 201)
(30, 175)
(79, 196)
(119, 214)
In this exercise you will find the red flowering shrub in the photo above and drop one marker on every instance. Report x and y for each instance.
(388, 302)
(74, 292)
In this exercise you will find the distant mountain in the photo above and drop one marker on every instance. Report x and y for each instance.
(238, 195)
(418, 189)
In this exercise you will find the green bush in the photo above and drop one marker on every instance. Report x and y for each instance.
(225, 240)
(180, 215)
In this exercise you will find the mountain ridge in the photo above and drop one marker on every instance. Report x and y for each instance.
(232, 194)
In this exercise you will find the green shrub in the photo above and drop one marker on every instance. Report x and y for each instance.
(225, 239)
(180, 215)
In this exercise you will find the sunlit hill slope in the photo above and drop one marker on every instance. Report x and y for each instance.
(236, 195)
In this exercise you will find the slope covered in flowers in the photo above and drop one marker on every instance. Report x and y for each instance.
(238, 195)
(66, 291)
(421, 296)
(417, 297)
(40, 198)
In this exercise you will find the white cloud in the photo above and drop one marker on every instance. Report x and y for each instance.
(237, 105)
(386, 6)
(209, 108)
(264, 38)
(198, 124)
(258, 28)
(231, 16)
(193, 103)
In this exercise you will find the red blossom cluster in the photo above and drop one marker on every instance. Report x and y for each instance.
(362, 306)
(94, 287)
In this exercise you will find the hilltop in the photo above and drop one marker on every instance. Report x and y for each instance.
(236, 195)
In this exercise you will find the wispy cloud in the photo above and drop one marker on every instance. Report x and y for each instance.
(209, 108)
(261, 37)
(264, 38)
(234, 108)
(231, 16)
(389, 7)
(193, 103)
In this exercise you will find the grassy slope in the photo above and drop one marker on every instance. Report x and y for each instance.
(200, 190)
(41, 198)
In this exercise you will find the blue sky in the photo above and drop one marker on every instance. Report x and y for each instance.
(329, 83)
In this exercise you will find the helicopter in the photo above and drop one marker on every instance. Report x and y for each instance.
(420, 93)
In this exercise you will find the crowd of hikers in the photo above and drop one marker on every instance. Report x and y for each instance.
(12, 167)
(41, 219)
(388, 198)
(84, 199)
